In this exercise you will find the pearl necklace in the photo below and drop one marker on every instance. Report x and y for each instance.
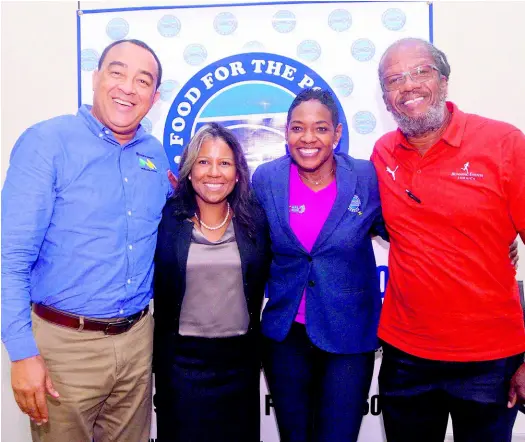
(220, 225)
(317, 182)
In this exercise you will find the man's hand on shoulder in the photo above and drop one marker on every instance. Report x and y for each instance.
(517, 387)
(172, 179)
(30, 381)
(513, 254)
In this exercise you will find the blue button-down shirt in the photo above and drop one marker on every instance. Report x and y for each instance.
(79, 223)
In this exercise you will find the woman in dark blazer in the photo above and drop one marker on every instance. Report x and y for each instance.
(320, 322)
(211, 266)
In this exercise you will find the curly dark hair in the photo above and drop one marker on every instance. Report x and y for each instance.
(324, 96)
(240, 199)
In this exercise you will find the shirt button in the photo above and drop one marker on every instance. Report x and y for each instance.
(311, 283)
(309, 259)
(126, 179)
(121, 311)
(100, 135)
(419, 171)
(129, 212)
(129, 281)
(107, 132)
(130, 247)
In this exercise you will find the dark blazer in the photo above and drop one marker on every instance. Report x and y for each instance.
(171, 256)
(343, 299)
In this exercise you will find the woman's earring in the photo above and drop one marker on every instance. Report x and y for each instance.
(189, 177)
(236, 180)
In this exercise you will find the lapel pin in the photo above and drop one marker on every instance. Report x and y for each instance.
(355, 205)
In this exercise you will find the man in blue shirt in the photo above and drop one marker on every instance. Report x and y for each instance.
(81, 205)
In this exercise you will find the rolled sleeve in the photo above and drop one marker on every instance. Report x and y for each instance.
(28, 198)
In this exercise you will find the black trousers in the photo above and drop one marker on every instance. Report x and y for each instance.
(318, 396)
(417, 396)
(207, 389)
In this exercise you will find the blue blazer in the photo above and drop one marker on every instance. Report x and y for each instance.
(343, 300)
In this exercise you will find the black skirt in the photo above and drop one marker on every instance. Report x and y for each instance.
(207, 389)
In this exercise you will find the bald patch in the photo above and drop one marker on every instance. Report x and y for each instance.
(416, 48)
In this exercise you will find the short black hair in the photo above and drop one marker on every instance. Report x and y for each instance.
(137, 43)
(324, 96)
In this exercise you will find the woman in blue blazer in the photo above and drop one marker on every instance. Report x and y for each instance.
(321, 319)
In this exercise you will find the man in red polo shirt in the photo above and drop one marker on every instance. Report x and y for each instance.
(453, 193)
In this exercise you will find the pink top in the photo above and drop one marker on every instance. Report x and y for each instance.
(308, 213)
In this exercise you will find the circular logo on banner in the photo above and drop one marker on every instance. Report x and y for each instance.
(89, 59)
(283, 21)
(225, 23)
(363, 49)
(343, 84)
(167, 88)
(394, 19)
(117, 28)
(147, 125)
(309, 50)
(195, 54)
(250, 94)
(169, 26)
(364, 122)
(340, 20)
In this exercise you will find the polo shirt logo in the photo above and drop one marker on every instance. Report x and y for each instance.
(466, 174)
(392, 172)
(297, 209)
(145, 162)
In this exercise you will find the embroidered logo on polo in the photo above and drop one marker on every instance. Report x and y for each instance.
(297, 209)
(392, 172)
(145, 162)
(355, 205)
(465, 174)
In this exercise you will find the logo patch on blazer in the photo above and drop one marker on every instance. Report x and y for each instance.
(297, 209)
(355, 205)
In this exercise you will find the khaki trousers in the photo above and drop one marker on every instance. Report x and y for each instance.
(104, 383)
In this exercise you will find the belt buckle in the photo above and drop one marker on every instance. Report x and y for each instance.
(127, 324)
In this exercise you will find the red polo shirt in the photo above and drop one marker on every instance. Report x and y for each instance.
(452, 293)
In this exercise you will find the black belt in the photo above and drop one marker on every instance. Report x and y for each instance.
(81, 323)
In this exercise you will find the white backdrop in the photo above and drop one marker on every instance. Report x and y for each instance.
(38, 60)
(323, 44)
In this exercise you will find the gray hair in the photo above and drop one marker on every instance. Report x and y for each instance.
(439, 57)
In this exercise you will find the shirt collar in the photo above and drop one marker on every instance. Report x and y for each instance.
(453, 133)
(97, 128)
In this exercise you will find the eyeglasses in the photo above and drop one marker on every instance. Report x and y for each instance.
(419, 74)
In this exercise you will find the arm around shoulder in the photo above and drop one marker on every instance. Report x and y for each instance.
(258, 184)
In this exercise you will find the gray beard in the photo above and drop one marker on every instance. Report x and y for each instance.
(431, 121)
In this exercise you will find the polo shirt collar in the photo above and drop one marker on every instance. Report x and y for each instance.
(456, 128)
(452, 135)
(96, 127)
